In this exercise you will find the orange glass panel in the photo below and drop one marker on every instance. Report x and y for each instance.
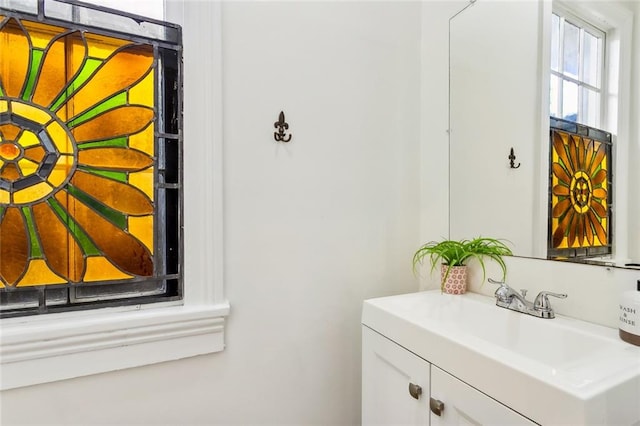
(121, 248)
(35, 153)
(118, 73)
(114, 159)
(57, 69)
(115, 123)
(14, 250)
(59, 248)
(117, 195)
(14, 58)
(10, 172)
(9, 151)
(9, 131)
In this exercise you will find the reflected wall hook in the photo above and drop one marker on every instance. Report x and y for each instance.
(512, 159)
(281, 125)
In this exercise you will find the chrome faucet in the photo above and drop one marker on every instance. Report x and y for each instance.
(508, 298)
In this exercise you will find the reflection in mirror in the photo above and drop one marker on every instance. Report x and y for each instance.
(506, 79)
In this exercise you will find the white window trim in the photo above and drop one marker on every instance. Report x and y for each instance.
(41, 349)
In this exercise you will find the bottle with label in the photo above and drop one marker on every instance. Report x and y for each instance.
(630, 316)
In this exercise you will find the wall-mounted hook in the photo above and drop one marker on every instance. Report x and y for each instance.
(512, 159)
(281, 125)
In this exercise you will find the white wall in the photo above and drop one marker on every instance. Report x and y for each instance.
(312, 228)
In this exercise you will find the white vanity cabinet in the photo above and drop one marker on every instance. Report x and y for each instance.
(492, 366)
(398, 388)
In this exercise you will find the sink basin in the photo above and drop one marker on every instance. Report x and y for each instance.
(553, 371)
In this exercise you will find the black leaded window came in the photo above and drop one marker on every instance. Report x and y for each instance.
(90, 158)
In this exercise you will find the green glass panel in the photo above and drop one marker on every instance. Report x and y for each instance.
(36, 59)
(110, 214)
(35, 246)
(121, 142)
(83, 240)
(119, 176)
(88, 68)
(115, 101)
(1, 212)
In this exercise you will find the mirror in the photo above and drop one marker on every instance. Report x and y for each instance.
(498, 51)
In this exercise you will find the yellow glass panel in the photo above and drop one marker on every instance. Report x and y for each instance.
(38, 274)
(99, 268)
(101, 47)
(41, 34)
(32, 193)
(4, 196)
(60, 171)
(30, 112)
(60, 138)
(57, 68)
(28, 138)
(14, 58)
(27, 167)
(143, 180)
(143, 141)
(114, 123)
(141, 227)
(143, 92)
(4, 106)
(118, 73)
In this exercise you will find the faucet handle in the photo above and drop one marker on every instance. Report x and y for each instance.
(542, 301)
(503, 292)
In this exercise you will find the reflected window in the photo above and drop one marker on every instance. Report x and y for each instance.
(577, 64)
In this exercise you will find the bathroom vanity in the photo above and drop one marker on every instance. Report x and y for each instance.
(436, 359)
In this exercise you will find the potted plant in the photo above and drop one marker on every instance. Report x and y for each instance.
(453, 256)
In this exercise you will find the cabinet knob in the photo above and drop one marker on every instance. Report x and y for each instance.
(415, 390)
(437, 406)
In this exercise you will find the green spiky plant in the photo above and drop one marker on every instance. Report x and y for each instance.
(457, 253)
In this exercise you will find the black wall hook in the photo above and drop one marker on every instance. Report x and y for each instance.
(512, 159)
(281, 125)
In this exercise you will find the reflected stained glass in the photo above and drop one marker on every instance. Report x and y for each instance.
(78, 160)
(580, 190)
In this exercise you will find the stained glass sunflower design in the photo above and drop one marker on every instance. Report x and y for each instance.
(579, 206)
(77, 156)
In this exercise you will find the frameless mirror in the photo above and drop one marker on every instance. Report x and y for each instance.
(499, 132)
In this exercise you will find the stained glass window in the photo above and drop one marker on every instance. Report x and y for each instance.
(90, 158)
(580, 186)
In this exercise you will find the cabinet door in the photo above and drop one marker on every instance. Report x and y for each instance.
(464, 405)
(388, 371)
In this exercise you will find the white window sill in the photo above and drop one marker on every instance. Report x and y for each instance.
(74, 344)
